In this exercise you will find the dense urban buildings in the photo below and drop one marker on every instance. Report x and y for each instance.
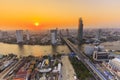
(91, 54)
(48, 40)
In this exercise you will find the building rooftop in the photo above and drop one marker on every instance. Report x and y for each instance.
(116, 59)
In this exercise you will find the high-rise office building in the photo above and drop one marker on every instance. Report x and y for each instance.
(98, 34)
(80, 31)
(53, 37)
(19, 36)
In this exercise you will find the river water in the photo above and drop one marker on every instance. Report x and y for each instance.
(36, 50)
(40, 50)
(115, 45)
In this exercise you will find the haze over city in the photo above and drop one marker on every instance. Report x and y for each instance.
(49, 14)
(59, 40)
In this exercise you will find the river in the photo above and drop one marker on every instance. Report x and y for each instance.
(36, 50)
(115, 45)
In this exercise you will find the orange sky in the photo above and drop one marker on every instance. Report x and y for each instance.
(22, 14)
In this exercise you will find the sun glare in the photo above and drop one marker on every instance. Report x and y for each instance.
(36, 23)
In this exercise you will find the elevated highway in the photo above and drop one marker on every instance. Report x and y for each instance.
(85, 60)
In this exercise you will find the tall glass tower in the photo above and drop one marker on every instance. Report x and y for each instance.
(80, 31)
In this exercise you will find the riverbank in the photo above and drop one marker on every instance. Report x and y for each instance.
(67, 69)
(112, 45)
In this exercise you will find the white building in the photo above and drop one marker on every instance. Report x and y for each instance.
(89, 49)
(101, 56)
(19, 36)
(99, 48)
(53, 37)
(115, 64)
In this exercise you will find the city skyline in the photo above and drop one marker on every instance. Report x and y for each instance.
(39, 14)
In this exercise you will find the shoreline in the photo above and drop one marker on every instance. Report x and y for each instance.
(67, 69)
(32, 44)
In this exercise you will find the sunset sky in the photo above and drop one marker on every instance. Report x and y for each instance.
(49, 14)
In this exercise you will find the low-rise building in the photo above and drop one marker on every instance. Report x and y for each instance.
(114, 64)
(101, 56)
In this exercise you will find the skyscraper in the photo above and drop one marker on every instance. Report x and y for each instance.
(98, 34)
(19, 36)
(80, 31)
(53, 37)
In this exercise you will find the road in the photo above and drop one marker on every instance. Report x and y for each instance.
(85, 60)
(9, 69)
(5, 72)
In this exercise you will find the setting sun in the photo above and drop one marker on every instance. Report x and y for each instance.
(36, 23)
